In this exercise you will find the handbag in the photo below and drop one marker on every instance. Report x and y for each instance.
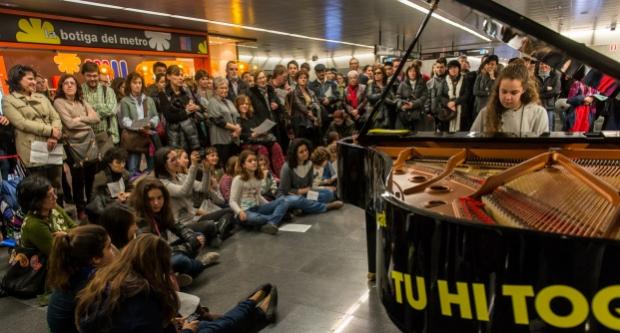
(26, 275)
(81, 149)
(445, 114)
(135, 142)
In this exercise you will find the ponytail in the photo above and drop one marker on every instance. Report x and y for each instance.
(73, 251)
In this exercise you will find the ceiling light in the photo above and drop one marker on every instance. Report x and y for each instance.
(444, 19)
(232, 25)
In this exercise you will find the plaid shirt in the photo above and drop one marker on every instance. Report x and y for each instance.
(105, 106)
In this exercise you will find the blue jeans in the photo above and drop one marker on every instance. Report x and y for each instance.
(133, 163)
(182, 263)
(307, 206)
(325, 195)
(241, 318)
(551, 117)
(271, 212)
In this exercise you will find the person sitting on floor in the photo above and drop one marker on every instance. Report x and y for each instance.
(136, 293)
(75, 258)
(111, 184)
(296, 182)
(229, 173)
(269, 187)
(182, 188)
(151, 202)
(323, 176)
(44, 219)
(246, 199)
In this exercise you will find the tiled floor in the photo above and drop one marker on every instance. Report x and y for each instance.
(320, 274)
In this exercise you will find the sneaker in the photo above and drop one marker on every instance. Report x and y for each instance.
(297, 212)
(208, 258)
(269, 229)
(334, 205)
(184, 280)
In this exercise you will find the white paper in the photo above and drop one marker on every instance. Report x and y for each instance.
(40, 155)
(265, 127)
(295, 227)
(139, 124)
(187, 304)
(312, 195)
(116, 188)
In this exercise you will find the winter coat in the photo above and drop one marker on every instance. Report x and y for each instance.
(407, 119)
(185, 240)
(549, 89)
(482, 90)
(181, 128)
(299, 108)
(33, 118)
(385, 116)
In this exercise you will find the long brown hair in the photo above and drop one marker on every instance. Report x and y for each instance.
(74, 251)
(142, 206)
(60, 93)
(244, 99)
(142, 267)
(495, 109)
(243, 173)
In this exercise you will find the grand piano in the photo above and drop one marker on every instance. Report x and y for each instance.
(475, 232)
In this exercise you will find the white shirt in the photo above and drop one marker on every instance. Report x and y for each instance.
(529, 119)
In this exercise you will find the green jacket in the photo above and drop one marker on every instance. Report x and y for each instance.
(129, 112)
(37, 232)
(105, 106)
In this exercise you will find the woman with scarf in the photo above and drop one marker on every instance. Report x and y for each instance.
(139, 118)
(355, 99)
(459, 94)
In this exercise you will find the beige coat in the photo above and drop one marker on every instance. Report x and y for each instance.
(76, 118)
(33, 118)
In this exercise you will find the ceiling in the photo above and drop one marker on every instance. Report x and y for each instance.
(361, 22)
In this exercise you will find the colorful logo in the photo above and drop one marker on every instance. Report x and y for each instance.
(68, 62)
(159, 41)
(202, 47)
(33, 30)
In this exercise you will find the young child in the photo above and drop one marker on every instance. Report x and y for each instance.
(269, 183)
(246, 200)
(229, 172)
(322, 173)
(212, 160)
(333, 161)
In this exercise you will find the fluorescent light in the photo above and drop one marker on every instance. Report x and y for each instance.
(443, 19)
(94, 4)
(226, 24)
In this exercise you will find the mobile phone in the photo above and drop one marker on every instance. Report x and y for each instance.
(193, 317)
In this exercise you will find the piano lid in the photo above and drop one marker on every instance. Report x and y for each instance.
(540, 42)
(533, 40)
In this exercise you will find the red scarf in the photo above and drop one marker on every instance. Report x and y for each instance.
(352, 96)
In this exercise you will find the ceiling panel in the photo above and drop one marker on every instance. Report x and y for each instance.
(355, 21)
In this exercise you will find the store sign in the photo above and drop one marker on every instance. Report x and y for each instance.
(26, 29)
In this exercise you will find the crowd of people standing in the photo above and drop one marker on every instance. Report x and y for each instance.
(186, 161)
